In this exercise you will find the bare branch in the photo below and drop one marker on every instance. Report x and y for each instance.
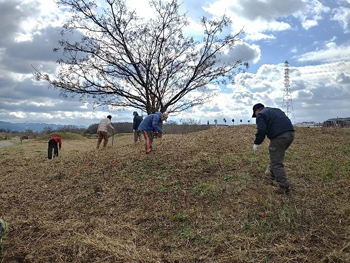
(125, 61)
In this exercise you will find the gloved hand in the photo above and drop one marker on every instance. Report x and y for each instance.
(255, 147)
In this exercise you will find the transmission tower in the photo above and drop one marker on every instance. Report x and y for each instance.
(287, 104)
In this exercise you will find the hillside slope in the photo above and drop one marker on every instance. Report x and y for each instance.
(200, 197)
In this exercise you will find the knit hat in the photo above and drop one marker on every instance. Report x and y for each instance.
(256, 107)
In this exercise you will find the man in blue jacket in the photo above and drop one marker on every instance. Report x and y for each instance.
(274, 124)
(149, 126)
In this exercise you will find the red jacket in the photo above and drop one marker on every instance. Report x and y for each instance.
(57, 139)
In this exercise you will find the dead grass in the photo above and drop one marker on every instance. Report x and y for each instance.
(198, 198)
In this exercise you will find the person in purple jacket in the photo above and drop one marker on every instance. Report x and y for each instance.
(149, 126)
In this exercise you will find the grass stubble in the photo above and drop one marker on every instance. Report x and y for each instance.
(200, 197)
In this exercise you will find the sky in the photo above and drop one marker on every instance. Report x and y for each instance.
(312, 35)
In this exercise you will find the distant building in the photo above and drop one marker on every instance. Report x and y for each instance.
(308, 124)
(337, 122)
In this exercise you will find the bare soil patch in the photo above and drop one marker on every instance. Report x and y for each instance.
(5, 143)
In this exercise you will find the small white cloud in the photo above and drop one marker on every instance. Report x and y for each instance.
(258, 36)
(193, 29)
(307, 24)
(341, 78)
(342, 15)
(294, 50)
(18, 114)
(243, 52)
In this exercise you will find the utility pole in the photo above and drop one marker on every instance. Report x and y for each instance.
(287, 104)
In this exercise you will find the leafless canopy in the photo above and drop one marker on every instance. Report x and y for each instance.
(126, 61)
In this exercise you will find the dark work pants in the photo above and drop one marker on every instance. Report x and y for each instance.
(137, 135)
(53, 145)
(277, 149)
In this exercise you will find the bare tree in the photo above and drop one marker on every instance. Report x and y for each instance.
(47, 129)
(123, 60)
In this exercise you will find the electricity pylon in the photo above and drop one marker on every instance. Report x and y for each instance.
(287, 104)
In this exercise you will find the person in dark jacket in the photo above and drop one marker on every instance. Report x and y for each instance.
(150, 126)
(135, 125)
(273, 123)
(54, 144)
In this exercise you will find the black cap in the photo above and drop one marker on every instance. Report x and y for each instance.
(109, 117)
(256, 107)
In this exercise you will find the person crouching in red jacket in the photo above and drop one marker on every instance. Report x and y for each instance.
(55, 142)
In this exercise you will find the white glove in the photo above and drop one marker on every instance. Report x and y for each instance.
(255, 147)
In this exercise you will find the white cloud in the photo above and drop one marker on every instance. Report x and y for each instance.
(331, 53)
(243, 52)
(18, 114)
(318, 92)
(142, 8)
(255, 36)
(258, 16)
(46, 14)
(342, 15)
(294, 50)
(194, 29)
(228, 106)
(307, 24)
(313, 12)
(341, 78)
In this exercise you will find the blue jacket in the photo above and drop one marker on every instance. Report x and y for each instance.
(271, 122)
(151, 123)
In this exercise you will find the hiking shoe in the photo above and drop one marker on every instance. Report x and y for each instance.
(269, 175)
(3, 231)
(268, 171)
(3, 228)
(282, 191)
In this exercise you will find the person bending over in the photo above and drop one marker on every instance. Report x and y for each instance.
(54, 144)
(149, 126)
(273, 123)
(102, 131)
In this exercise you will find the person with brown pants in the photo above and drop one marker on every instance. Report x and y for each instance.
(102, 131)
(274, 124)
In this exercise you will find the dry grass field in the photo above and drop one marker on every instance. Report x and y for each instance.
(200, 197)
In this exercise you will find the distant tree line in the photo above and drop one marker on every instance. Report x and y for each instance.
(169, 127)
(64, 128)
(119, 127)
(49, 129)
